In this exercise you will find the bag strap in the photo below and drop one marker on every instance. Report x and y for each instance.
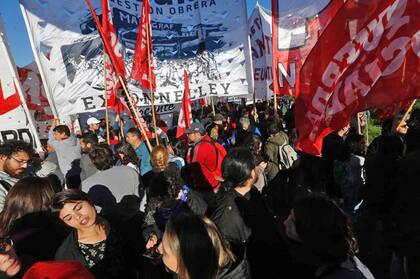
(6, 185)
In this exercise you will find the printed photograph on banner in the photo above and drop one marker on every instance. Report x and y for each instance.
(207, 38)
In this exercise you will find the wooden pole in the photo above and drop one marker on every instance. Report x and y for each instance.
(134, 112)
(106, 103)
(212, 106)
(152, 95)
(359, 125)
(404, 118)
(275, 103)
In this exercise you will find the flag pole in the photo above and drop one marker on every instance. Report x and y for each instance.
(405, 116)
(212, 106)
(134, 112)
(106, 103)
(359, 125)
(152, 95)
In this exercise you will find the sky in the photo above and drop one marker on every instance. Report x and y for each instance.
(18, 36)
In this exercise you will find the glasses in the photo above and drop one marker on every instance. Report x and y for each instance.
(5, 244)
(21, 162)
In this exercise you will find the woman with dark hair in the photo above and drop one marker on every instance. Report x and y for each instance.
(254, 144)
(193, 248)
(91, 241)
(321, 231)
(242, 217)
(25, 218)
(127, 156)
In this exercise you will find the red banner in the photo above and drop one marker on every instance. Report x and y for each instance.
(9, 103)
(185, 115)
(141, 70)
(296, 27)
(367, 57)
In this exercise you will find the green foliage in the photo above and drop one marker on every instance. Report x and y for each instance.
(374, 128)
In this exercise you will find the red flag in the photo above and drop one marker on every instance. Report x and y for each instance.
(203, 102)
(368, 57)
(388, 112)
(9, 103)
(185, 115)
(296, 27)
(112, 55)
(141, 70)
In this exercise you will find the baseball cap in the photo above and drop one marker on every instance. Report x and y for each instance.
(92, 120)
(195, 128)
(219, 117)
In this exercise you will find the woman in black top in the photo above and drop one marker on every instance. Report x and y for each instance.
(92, 241)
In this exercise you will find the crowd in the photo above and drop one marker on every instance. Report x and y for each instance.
(232, 199)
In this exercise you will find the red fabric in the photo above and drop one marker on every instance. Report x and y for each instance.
(9, 103)
(388, 112)
(58, 270)
(185, 115)
(111, 58)
(367, 57)
(203, 164)
(293, 57)
(203, 102)
(141, 70)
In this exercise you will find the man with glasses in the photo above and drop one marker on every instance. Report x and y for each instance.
(15, 157)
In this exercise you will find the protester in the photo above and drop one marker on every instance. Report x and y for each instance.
(323, 238)
(275, 141)
(331, 146)
(204, 161)
(127, 156)
(135, 139)
(412, 137)
(104, 188)
(93, 126)
(92, 240)
(193, 248)
(68, 152)
(87, 141)
(242, 218)
(14, 159)
(10, 264)
(25, 218)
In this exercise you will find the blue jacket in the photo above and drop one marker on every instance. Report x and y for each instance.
(144, 155)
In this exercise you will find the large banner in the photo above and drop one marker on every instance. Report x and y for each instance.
(207, 38)
(16, 122)
(35, 97)
(297, 25)
(259, 25)
(368, 57)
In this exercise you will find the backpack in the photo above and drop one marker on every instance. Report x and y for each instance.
(288, 158)
(220, 152)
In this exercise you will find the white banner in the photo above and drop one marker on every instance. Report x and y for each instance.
(208, 38)
(36, 99)
(260, 35)
(15, 121)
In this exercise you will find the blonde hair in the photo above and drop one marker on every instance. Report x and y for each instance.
(160, 157)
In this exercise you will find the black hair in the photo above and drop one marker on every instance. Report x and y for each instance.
(252, 143)
(62, 129)
(130, 155)
(10, 147)
(324, 228)
(89, 138)
(67, 196)
(102, 157)
(237, 167)
(134, 131)
(190, 233)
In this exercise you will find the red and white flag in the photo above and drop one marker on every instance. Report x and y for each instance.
(296, 27)
(368, 57)
(10, 102)
(185, 115)
(142, 71)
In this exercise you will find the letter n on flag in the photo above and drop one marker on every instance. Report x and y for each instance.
(367, 57)
(9, 103)
(142, 53)
(185, 116)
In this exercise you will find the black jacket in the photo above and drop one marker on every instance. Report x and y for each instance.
(113, 265)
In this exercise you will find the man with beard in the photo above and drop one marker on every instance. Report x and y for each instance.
(87, 142)
(14, 159)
